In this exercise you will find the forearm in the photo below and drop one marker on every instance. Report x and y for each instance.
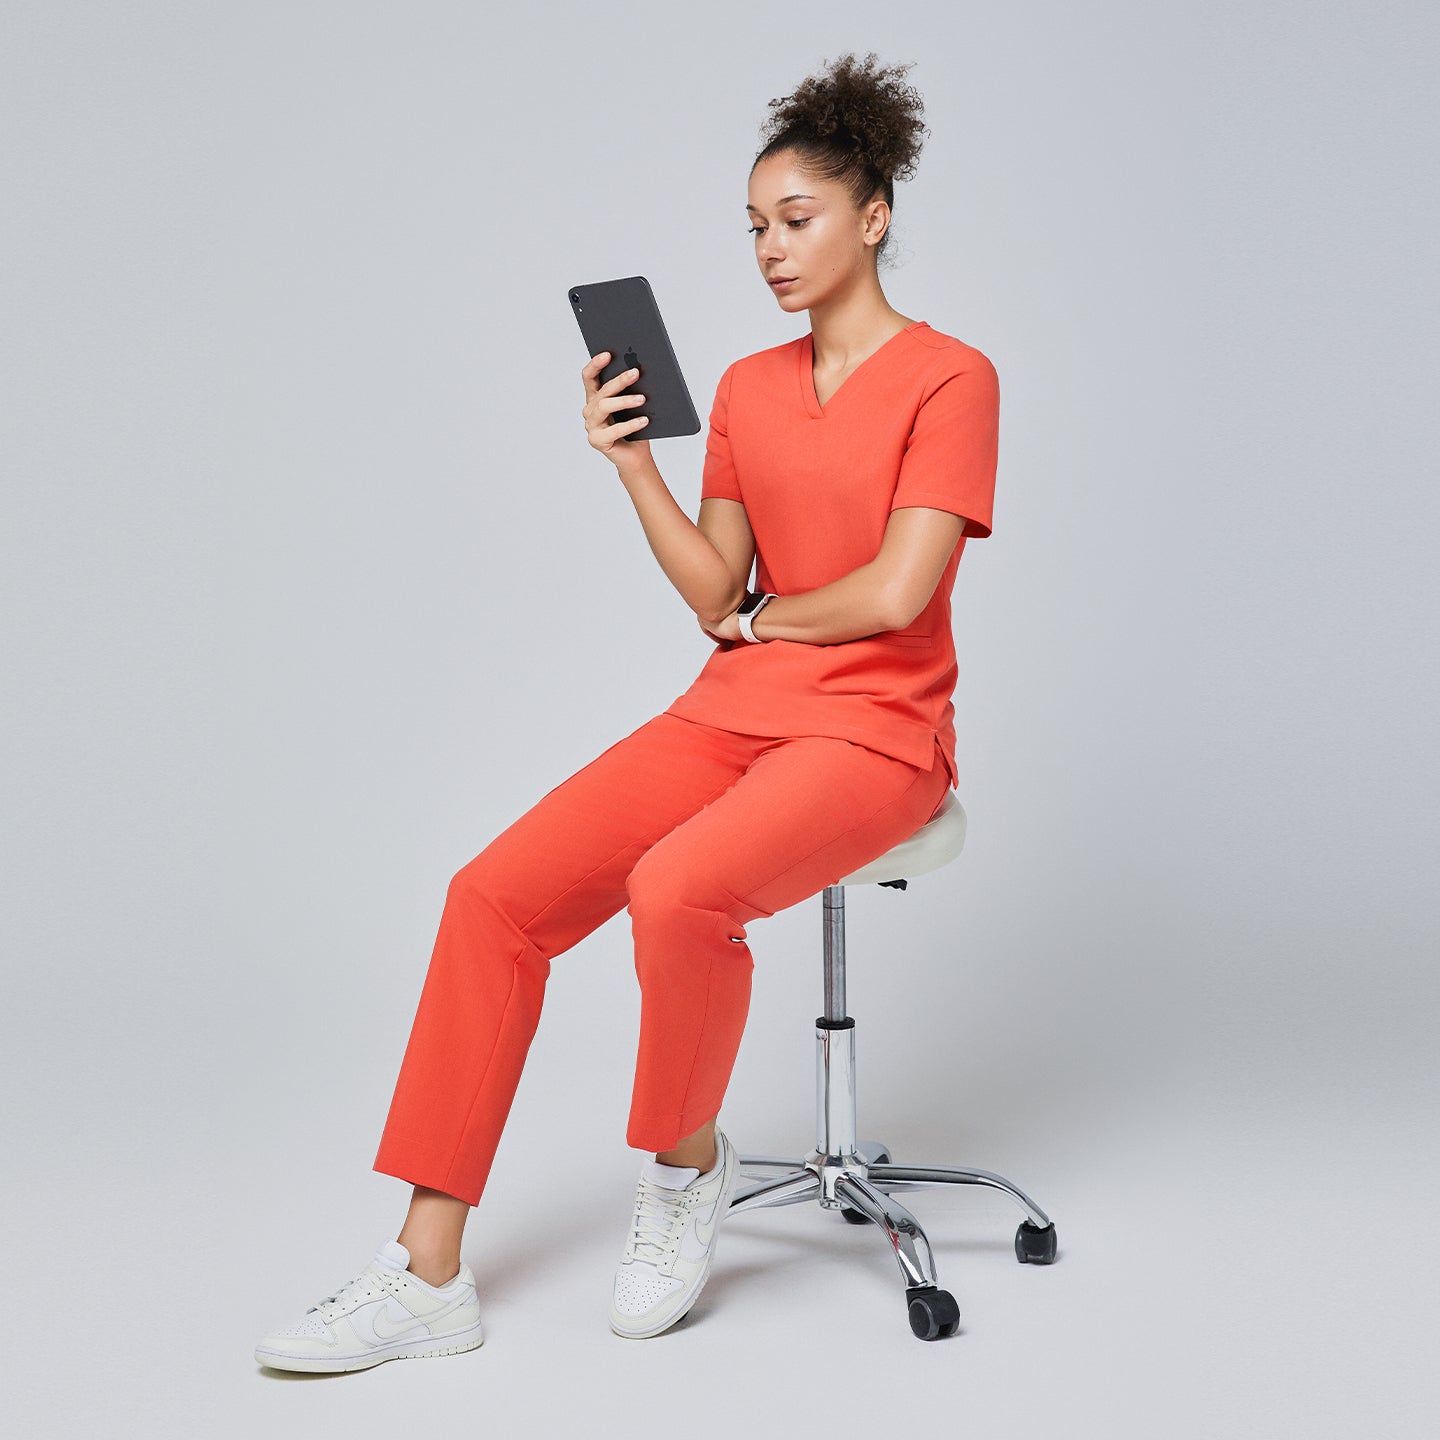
(690, 562)
(855, 605)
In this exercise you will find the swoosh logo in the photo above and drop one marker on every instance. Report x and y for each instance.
(701, 1230)
(385, 1324)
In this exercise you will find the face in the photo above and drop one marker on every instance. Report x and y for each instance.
(811, 230)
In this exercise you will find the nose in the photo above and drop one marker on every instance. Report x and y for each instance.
(768, 250)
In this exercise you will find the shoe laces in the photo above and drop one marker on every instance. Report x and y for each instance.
(350, 1290)
(656, 1222)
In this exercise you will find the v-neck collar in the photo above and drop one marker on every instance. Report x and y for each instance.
(805, 352)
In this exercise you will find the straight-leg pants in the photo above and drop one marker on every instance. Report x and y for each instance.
(695, 829)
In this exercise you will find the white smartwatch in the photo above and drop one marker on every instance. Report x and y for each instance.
(750, 607)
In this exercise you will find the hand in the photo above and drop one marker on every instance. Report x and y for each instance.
(726, 629)
(601, 403)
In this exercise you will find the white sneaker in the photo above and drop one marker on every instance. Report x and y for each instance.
(671, 1246)
(384, 1313)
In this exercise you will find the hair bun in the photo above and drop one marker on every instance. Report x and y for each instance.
(860, 107)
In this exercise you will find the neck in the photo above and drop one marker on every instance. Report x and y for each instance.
(845, 331)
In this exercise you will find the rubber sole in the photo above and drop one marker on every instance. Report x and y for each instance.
(456, 1344)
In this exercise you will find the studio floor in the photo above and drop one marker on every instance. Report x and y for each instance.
(1250, 1273)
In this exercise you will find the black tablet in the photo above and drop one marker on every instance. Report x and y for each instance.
(621, 316)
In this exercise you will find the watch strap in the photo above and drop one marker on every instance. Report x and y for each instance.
(745, 616)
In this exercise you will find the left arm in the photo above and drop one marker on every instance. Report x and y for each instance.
(885, 593)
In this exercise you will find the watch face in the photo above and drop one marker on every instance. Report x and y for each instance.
(750, 602)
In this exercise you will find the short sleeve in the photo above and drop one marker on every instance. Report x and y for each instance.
(719, 480)
(950, 458)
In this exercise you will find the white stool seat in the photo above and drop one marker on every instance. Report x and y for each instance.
(937, 842)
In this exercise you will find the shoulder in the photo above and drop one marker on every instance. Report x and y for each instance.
(761, 363)
(947, 356)
(754, 382)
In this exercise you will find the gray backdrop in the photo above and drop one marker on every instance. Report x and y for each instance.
(311, 585)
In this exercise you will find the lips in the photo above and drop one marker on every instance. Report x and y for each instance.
(780, 280)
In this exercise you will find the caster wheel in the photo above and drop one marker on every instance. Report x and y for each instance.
(933, 1313)
(1034, 1246)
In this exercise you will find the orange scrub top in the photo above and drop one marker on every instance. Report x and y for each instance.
(915, 423)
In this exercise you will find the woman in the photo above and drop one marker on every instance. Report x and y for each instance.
(853, 463)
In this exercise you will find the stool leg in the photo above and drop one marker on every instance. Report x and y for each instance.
(907, 1239)
(932, 1177)
(789, 1189)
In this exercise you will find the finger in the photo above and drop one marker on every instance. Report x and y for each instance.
(618, 382)
(624, 427)
(607, 405)
(610, 433)
(591, 373)
(592, 368)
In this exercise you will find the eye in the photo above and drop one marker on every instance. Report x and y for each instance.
(756, 229)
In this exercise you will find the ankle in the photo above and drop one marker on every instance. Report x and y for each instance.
(434, 1274)
(434, 1263)
(685, 1159)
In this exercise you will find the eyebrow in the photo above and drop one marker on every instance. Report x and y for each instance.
(785, 200)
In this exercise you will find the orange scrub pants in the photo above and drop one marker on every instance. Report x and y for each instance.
(697, 830)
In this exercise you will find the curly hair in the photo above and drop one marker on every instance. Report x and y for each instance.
(857, 123)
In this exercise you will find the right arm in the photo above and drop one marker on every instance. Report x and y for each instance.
(709, 563)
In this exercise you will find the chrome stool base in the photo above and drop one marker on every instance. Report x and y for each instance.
(859, 1178)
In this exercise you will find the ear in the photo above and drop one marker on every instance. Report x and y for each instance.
(877, 222)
